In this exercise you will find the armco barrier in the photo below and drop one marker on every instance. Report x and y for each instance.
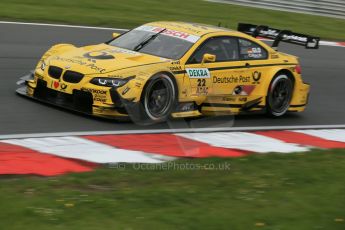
(329, 8)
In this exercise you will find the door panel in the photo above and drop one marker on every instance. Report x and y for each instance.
(219, 77)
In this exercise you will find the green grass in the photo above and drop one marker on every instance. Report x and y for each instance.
(130, 13)
(292, 191)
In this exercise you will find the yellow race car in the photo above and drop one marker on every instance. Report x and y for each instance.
(174, 69)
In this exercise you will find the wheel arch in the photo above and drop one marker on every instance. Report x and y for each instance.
(143, 116)
(170, 75)
(288, 73)
(273, 74)
(278, 73)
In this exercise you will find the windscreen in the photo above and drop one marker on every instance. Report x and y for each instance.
(169, 44)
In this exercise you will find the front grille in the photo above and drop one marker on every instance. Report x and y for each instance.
(80, 100)
(72, 77)
(55, 72)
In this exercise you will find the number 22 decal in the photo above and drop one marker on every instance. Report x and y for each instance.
(201, 82)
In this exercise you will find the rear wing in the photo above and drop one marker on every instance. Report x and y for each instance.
(278, 36)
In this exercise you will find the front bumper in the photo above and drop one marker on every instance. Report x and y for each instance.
(79, 101)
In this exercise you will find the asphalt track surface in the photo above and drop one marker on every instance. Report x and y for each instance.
(22, 45)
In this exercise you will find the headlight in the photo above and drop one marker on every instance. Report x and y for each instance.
(43, 66)
(110, 82)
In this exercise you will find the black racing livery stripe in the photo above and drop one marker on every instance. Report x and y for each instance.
(296, 106)
(241, 105)
(249, 66)
(222, 105)
(219, 105)
(237, 67)
(179, 72)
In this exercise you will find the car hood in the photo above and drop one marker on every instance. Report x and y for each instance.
(101, 59)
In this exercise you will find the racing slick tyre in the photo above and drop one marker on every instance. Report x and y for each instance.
(279, 95)
(158, 100)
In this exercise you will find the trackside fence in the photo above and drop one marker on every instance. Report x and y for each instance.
(329, 8)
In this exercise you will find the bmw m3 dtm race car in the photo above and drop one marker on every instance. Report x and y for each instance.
(174, 69)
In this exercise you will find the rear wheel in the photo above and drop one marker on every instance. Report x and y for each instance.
(279, 95)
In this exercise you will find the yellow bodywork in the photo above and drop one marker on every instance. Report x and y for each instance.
(211, 95)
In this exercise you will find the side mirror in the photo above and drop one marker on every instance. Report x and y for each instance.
(115, 35)
(208, 58)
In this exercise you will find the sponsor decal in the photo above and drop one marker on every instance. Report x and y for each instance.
(202, 91)
(275, 33)
(63, 86)
(229, 99)
(231, 79)
(80, 62)
(175, 68)
(122, 51)
(55, 84)
(238, 89)
(198, 72)
(98, 94)
(95, 91)
(125, 90)
(100, 99)
(177, 62)
(102, 55)
(256, 77)
(171, 33)
(243, 90)
(254, 50)
(253, 55)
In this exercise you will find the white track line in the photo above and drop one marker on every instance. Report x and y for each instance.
(61, 25)
(185, 130)
(323, 43)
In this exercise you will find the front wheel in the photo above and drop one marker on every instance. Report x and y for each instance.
(279, 95)
(158, 100)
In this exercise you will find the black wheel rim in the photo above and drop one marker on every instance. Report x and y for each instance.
(280, 95)
(158, 98)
